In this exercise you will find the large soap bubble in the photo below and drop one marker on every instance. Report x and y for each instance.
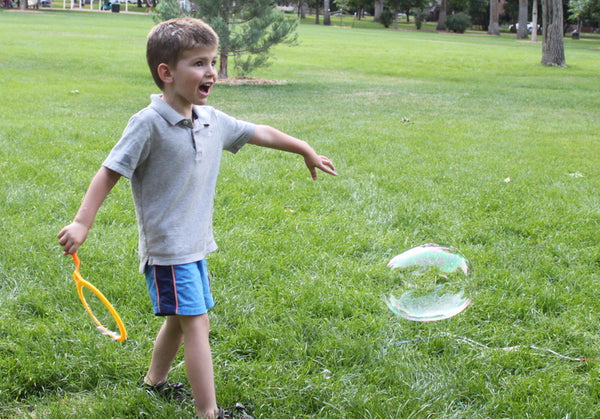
(431, 283)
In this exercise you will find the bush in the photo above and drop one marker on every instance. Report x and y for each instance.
(458, 22)
(387, 17)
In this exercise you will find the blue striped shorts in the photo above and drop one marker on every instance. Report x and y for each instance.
(179, 289)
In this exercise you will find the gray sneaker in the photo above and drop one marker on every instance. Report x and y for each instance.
(169, 391)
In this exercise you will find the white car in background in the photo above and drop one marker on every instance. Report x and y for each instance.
(515, 27)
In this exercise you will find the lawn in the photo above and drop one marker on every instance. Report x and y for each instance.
(464, 140)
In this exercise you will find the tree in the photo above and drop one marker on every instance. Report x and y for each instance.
(326, 13)
(584, 10)
(394, 6)
(420, 16)
(378, 10)
(534, 21)
(302, 9)
(358, 6)
(494, 26)
(479, 11)
(553, 48)
(247, 29)
(522, 29)
(441, 26)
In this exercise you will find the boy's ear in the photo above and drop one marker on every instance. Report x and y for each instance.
(164, 72)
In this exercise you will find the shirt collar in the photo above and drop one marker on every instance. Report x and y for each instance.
(171, 115)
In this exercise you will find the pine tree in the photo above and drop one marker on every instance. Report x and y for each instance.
(247, 29)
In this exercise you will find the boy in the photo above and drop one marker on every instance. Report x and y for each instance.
(171, 151)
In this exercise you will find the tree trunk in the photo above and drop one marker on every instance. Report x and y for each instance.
(378, 10)
(222, 65)
(326, 14)
(224, 47)
(441, 26)
(522, 31)
(302, 9)
(494, 26)
(534, 20)
(553, 46)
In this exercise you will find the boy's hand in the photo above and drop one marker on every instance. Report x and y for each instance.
(314, 161)
(72, 236)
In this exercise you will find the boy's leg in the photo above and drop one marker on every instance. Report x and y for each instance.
(166, 346)
(198, 363)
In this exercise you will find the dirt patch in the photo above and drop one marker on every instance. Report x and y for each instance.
(234, 81)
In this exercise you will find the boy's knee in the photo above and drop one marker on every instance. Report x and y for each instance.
(198, 323)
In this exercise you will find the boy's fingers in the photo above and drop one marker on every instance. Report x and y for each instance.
(329, 168)
(324, 164)
(327, 162)
(70, 248)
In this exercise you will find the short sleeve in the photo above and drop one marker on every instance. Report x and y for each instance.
(132, 148)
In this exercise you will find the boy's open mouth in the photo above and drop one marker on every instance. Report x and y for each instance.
(205, 88)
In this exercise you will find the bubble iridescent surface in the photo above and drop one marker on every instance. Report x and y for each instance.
(430, 282)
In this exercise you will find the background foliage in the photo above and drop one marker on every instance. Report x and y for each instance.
(247, 29)
(459, 139)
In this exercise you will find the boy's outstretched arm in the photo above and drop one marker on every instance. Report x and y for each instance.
(267, 136)
(73, 235)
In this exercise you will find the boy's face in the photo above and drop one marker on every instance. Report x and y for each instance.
(191, 79)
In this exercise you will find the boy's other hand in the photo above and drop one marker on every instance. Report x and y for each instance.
(72, 236)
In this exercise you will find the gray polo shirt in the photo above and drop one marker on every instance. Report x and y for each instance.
(173, 163)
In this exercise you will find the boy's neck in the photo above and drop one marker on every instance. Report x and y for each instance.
(184, 110)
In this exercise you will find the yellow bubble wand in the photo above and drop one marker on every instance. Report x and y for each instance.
(81, 284)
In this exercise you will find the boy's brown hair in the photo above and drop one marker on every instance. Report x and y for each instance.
(168, 39)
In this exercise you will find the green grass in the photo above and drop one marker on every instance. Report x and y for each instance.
(424, 129)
